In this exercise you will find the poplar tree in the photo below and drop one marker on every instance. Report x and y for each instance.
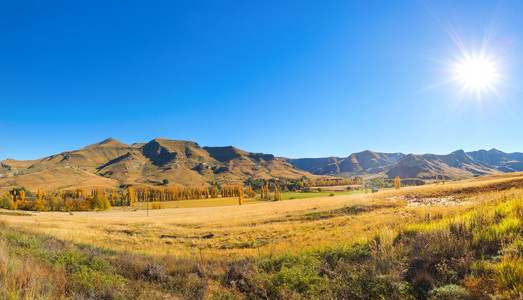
(397, 182)
(131, 195)
(113, 198)
(240, 196)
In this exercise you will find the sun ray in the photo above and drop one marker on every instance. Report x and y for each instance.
(477, 74)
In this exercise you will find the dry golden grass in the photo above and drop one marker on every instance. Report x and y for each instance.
(265, 227)
(212, 202)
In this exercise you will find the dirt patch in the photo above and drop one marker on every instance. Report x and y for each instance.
(435, 201)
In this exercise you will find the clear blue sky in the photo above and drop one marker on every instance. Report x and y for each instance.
(292, 78)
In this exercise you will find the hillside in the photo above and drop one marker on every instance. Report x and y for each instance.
(458, 164)
(111, 163)
(356, 163)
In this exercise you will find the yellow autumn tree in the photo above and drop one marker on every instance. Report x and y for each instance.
(397, 182)
(240, 195)
(122, 197)
(113, 198)
(39, 202)
(131, 195)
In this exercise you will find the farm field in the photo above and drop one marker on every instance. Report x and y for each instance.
(233, 201)
(285, 249)
(212, 202)
(291, 195)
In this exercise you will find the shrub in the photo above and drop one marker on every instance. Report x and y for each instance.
(99, 202)
(356, 253)
(53, 204)
(368, 284)
(450, 292)
(13, 204)
(4, 201)
(509, 276)
(39, 205)
(78, 204)
(25, 205)
(156, 205)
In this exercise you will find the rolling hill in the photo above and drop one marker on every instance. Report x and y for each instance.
(111, 163)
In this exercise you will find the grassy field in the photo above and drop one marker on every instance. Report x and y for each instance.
(287, 196)
(462, 239)
(212, 202)
(232, 201)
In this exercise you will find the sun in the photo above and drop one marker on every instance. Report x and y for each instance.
(477, 74)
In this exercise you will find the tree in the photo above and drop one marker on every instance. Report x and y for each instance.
(22, 195)
(240, 195)
(397, 182)
(113, 198)
(122, 197)
(165, 181)
(98, 202)
(131, 195)
(39, 205)
(277, 192)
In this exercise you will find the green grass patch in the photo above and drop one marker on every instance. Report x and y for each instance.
(298, 195)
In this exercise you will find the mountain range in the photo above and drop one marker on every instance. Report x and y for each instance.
(111, 164)
(458, 164)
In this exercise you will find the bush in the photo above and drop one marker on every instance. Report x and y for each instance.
(333, 256)
(25, 205)
(53, 204)
(13, 204)
(509, 276)
(4, 201)
(99, 202)
(156, 205)
(450, 292)
(79, 204)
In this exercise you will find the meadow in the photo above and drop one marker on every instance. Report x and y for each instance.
(460, 240)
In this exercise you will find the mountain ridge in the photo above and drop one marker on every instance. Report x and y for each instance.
(111, 163)
(457, 164)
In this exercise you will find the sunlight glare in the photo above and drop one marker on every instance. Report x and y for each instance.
(477, 74)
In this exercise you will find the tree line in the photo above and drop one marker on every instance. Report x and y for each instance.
(79, 199)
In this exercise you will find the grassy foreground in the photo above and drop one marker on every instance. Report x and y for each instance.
(459, 241)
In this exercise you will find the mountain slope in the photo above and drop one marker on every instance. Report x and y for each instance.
(505, 162)
(454, 165)
(457, 164)
(356, 164)
(111, 163)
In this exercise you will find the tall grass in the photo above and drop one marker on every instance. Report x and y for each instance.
(370, 249)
